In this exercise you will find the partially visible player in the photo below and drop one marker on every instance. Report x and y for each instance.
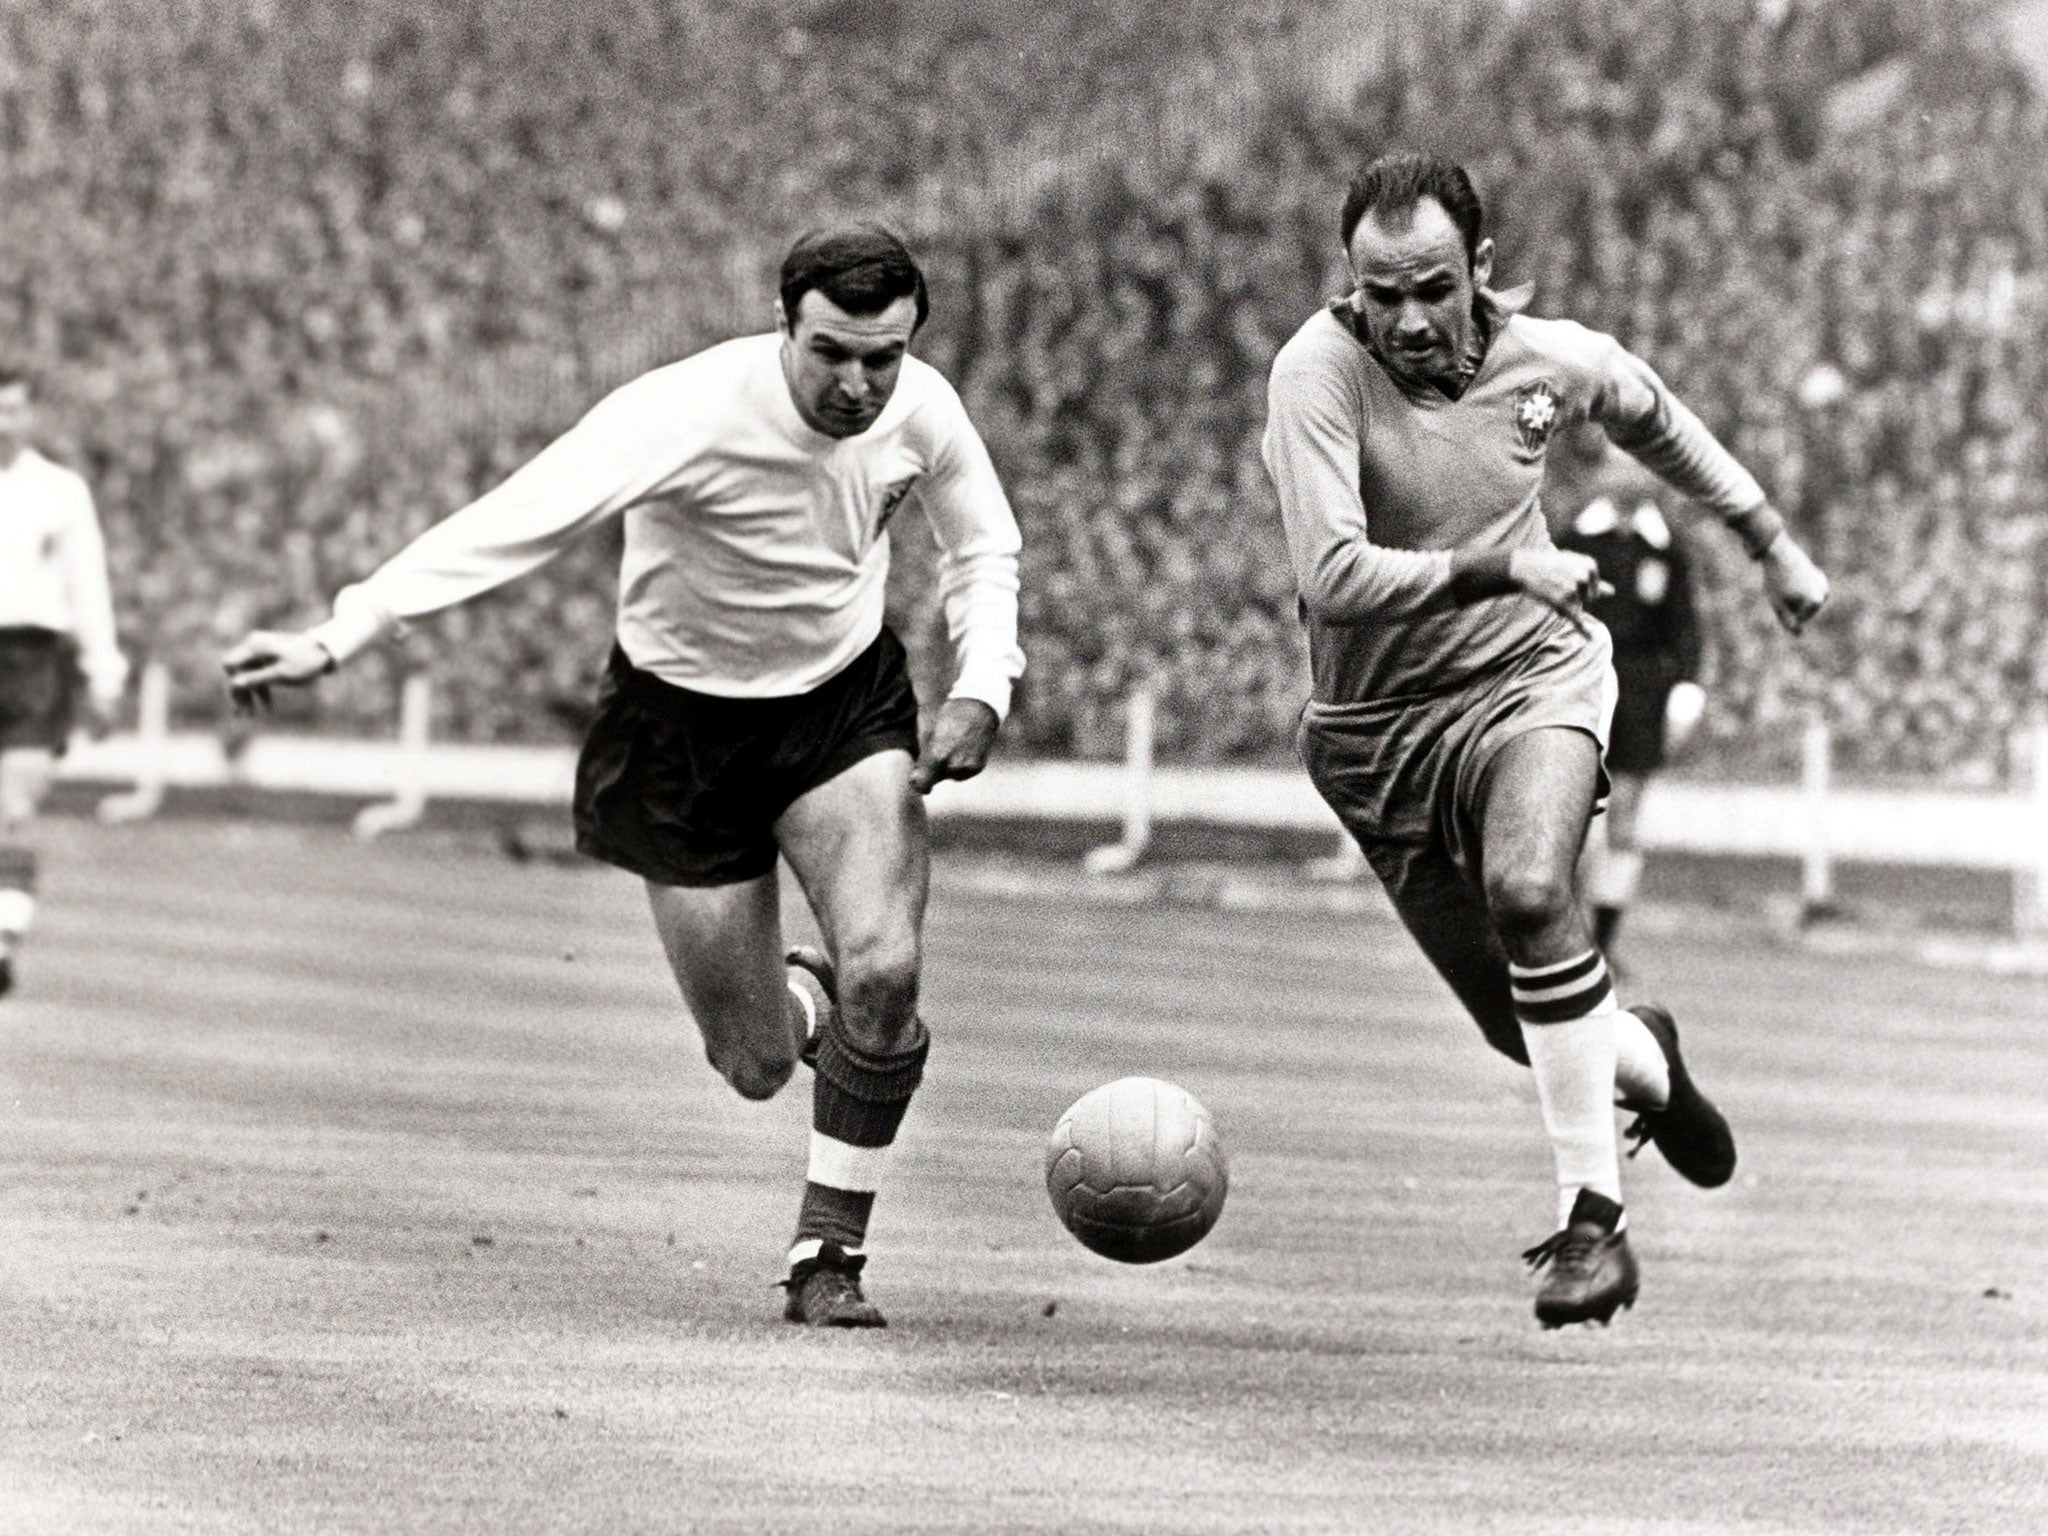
(755, 705)
(1651, 614)
(56, 622)
(1461, 692)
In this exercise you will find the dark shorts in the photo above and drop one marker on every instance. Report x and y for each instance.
(685, 788)
(1412, 770)
(38, 689)
(1636, 744)
(1407, 778)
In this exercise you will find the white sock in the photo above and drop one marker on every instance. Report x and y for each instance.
(807, 1004)
(1567, 1012)
(17, 912)
(1642, 1077)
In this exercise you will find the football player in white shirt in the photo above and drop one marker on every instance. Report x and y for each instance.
(755, 705)
(56, 621)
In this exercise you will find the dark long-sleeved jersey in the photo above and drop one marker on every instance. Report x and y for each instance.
(1383, 485)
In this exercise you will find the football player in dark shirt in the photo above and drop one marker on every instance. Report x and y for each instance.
(1461, 692)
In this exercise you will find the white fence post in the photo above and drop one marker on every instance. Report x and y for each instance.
(2030, 870)
(409, 802)
(1816, 873)
(1114, 858)
(152, 743)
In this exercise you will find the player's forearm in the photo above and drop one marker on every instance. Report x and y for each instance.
(1311, 450)
(1645, 419)
(434, 572)
(583, 477)
(1350, 580)
(979, 593)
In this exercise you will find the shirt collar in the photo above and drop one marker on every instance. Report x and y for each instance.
(1491, 308)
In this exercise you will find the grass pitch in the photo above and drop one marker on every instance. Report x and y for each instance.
(384, 1189)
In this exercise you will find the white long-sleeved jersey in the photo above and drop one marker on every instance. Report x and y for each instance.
(756, 547)
(53, 565)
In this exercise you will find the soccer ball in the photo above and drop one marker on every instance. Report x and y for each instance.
(1136, 1170)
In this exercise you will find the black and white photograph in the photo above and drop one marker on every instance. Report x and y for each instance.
(1023, 767)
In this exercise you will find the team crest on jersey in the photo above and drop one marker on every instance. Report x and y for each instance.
(892, 498)
(1537, 408)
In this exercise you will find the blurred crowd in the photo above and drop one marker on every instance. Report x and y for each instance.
(300, 279)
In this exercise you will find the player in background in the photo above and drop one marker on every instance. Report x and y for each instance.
(755, 704)
(56, 622)
(1652, 617)
(1461, 693)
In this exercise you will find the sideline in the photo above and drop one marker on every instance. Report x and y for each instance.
(1971, 829)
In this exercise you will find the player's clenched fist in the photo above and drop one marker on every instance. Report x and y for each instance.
(1558, 578)
(1797, 587)
(959, 746)
(267, 657)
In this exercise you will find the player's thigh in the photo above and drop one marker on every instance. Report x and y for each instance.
(26, 774)
(861, 847)
(1536, 804)
(724, 944)
(1624, 808)
(1438, 905)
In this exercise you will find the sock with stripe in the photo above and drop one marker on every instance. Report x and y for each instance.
(857, 1104)
(1567, 1016)
(17, 893)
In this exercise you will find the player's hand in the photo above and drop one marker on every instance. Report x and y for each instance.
(266, 657)
(959, 746)
(1683, 707)
(1560, 579)
(1796, 586)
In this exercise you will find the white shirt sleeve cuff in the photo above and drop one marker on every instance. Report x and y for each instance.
(990, 686)
(352, 627)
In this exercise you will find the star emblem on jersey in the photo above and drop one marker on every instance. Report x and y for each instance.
(1536, 412)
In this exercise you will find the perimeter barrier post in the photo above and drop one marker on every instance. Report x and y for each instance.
(1115, 858)
(2030, 869)
(409, 801)
(1816, 874)
(152, 747)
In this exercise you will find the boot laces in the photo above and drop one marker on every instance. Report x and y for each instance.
(1570, 1248)
(1639, 1134)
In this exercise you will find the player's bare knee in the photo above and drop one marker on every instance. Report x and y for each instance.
(1524, 903)
(754, 1074)
(878, 987)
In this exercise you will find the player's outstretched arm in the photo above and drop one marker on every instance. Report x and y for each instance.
(268, 657)
(1642, 417)
(958, 748)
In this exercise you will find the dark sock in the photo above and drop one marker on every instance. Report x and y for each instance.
(834, 1215)
(859, 1100)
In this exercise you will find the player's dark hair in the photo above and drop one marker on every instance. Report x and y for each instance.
(11, 375)
(1396, 183)
(863, 268)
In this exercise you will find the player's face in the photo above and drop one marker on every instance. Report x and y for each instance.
(17, 419)
(1415, 289)
(843, 368)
